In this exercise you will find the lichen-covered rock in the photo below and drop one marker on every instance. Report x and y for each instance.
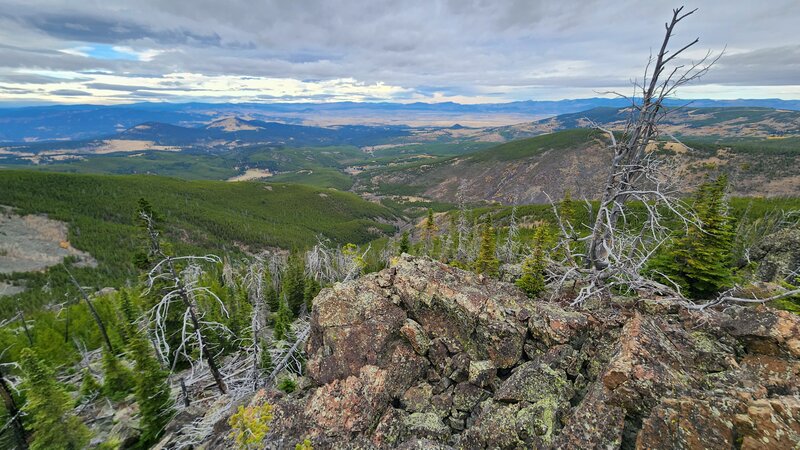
(685, 423)
(764, 330)
(778, 255)
(482, 373)
(552, 325)
(458, 369)
(496, 428)
(349, 405)
(416, 336)
(353, 325)
(770, 423)
(596, 423)
(467, 395)
(423, 355)
(423, 444)
(418, 398)
(463, 310)
(425, 426)
(534, 382)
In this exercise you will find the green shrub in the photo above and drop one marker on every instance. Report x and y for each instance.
(287, 385)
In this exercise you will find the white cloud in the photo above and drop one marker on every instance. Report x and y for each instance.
(427, 50)
(108, 88)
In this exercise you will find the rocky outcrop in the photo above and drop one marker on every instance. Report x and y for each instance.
(423, 355)
(778, 255)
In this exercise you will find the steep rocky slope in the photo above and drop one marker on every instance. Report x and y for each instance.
(423, 355)
(524, 171)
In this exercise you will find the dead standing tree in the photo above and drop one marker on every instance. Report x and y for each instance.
(613, 255)
(635, 173)
(254, 283)
(616, 255)
(179, 288)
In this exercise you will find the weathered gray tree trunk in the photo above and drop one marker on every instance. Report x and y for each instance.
(628, 165)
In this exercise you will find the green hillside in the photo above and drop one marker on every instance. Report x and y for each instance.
(524, 170)
(524, 148)
(198, 216)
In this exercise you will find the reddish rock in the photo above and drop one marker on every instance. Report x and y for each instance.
(428, 356)
(686, 423)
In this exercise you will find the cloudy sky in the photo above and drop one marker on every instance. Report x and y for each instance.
(469, 51)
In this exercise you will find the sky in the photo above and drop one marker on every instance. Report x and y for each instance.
(466, 51)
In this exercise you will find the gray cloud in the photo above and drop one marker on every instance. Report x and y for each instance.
(493, 49)
(69, 93)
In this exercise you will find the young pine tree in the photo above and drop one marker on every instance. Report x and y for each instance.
(266, 362)
(405, 243)
(272, 296)
(532, 281)
(152, 390)
(487, 262)
(312, 288)
(282, 322)
(701, 262)
(293, 284)
(127, 314)
(118, 380)
(429, 230)
(89, 386)
(49, 408)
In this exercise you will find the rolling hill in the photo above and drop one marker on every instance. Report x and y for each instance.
(526, 170)
(198, 216)
(689, 122)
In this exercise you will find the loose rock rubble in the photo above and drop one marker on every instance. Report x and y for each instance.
(423, 355)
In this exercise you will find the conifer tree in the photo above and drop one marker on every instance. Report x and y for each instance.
(128, 315)
(266, 362)
(272, 297)
(532, 281)
(450, 244)
(118, 380)
(48, 408)
(312, 288)
(282, 322)
(701, 261)
(429, 232)
(143, 258)
(567, 208)
(487, 262)
(405, 243)
(151, 389)
(293, 284)
(89, 386)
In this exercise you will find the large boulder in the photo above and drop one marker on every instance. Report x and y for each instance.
(778, 255)
(423, 355)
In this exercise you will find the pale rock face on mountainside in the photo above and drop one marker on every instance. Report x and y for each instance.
(423, 355)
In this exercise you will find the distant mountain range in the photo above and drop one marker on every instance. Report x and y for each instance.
(233, 131)
(74, 122)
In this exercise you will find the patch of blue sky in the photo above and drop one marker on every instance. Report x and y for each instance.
(105, 51)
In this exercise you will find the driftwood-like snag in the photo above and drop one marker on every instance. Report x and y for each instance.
(178, 288)
(635, 173)
(615, 255)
